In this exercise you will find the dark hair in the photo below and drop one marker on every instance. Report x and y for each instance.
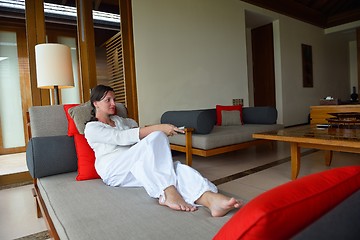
(97, 94)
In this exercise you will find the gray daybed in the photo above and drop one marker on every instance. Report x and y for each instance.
(204, 138)
(90, 209)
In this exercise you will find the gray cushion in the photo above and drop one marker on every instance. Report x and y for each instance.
(82, 114)
(202, 121)
(47, 156)
(259, 115)
(342, 222)
(230, 118)
(48, 121)
(92, 210)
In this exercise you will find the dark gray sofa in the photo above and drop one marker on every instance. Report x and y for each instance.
(204, 138)
(342, 222)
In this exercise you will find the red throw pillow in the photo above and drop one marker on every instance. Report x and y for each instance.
(72, 130)
(284, 211)
(86, 159)
(220, 108)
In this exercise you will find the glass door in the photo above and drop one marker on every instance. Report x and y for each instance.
(13, 131)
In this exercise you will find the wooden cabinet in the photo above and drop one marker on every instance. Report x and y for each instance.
(319, 114)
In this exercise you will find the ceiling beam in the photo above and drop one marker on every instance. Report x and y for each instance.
(292, 9)
(345, 17)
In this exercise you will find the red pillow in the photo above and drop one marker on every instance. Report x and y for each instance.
(282, 212)
(86, 159)
(72, 130)
(220, 108)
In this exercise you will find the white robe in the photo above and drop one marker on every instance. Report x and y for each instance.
(122, 159)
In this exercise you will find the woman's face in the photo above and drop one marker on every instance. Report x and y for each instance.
(106, 106)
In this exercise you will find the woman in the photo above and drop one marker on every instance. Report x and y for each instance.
(132, 156)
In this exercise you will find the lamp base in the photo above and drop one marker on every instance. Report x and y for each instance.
(56, 93)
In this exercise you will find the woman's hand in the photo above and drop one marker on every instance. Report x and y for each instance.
(168, 129)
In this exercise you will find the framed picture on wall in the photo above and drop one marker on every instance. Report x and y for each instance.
(307, 66)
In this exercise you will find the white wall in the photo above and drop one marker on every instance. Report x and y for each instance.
(189, 55)
(330, 74)
(192, 54)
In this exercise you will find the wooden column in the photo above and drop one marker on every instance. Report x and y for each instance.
(86, 47)
(35, 34)
(358, 57)
(129, 58)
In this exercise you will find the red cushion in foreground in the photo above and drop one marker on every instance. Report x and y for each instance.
(86, 159)
(282, 212)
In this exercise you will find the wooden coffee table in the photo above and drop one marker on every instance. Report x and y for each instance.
(328, 139)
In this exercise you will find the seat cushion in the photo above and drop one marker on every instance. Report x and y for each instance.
(91, 210)
(225, 135)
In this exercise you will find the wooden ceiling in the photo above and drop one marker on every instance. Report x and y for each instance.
(322, 13)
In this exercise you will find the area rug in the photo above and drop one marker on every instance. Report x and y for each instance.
(15, 185)
(36, 236)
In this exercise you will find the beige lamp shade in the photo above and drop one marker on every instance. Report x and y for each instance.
(53, 66)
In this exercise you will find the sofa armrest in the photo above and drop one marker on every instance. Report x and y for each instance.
(341, 222)
(202, 121)
(47, 156)
(259, 115)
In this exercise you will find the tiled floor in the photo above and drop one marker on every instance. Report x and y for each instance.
(18, 213)
(12, 163)
(17, 208)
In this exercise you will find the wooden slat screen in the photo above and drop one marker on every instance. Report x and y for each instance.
(115, 64)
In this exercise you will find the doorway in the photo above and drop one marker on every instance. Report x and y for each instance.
(263, 66)
(13, 97)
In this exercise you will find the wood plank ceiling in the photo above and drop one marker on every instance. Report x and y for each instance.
(322, 13)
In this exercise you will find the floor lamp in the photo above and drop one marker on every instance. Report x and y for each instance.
(53, 67)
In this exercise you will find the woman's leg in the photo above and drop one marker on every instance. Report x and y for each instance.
(196, 189)
(154, 169)
(152, 163)
(191, 184)
(176, 185)
(218, 203)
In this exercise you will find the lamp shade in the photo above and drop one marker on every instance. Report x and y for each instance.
(53, 66)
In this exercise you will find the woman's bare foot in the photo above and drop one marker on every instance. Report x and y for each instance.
(218, 204)
(174, 200)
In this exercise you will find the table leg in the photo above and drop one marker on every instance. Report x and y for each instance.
(328, 157)
(295, 160)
